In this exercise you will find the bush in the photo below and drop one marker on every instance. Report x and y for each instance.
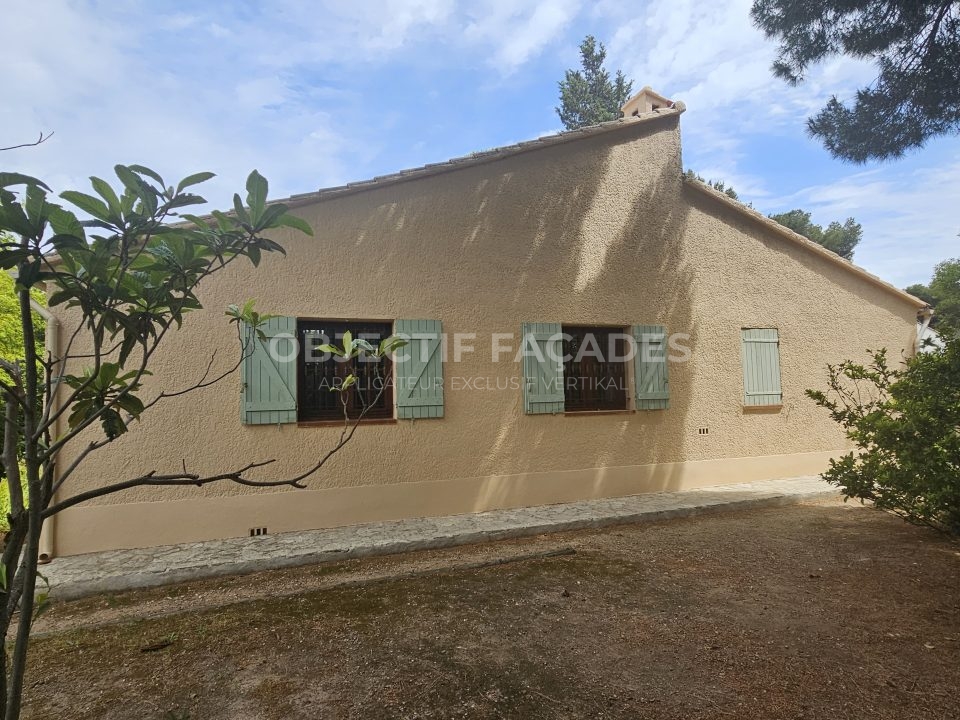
(905, 424)
(5, 498)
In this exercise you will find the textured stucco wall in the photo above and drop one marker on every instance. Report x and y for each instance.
(598, 231)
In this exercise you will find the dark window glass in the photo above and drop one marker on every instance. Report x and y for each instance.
(591, 382)
(316, 376)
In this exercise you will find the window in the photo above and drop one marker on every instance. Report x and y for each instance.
(594, 372)
(761, 367)
(318, 374)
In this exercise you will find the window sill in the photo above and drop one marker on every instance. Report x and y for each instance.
(339, 423)
(580, 413)
(762, 409)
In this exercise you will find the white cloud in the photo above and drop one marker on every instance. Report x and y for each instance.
(518, 32)
(909, 219)
(300, 89)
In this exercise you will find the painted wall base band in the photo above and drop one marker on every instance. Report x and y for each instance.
(95, 528)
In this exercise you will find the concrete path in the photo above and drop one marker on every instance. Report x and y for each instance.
(79, 575)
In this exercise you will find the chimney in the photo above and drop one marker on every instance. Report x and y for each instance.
(647, 100)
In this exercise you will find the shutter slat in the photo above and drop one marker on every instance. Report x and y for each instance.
(761, 367)
(542, 378)
(651, 378)
(419, 385)
(269, 383)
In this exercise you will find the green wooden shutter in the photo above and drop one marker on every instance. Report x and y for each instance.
(543, 375)
(419, 370)
(268, 375)
(651, 382)
(761, 367)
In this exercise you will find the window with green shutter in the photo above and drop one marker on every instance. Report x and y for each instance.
(761, 367)
(268, 374)
(651, 382)
(542, 368)
(419, 369)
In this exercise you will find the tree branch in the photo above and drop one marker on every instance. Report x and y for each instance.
(38, 141)
(185, 478)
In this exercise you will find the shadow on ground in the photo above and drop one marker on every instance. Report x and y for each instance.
(806, 611)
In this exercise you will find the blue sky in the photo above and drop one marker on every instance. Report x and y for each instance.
(315, 93)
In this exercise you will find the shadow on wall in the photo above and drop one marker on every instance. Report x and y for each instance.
(612, 244)
(584, 233)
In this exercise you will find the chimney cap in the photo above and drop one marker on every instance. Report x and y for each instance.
(647, 100)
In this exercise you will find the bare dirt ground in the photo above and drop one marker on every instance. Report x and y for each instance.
(821, 610)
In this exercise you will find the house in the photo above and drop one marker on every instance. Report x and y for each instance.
(515, 270)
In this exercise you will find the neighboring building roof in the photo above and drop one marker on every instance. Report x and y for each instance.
(485, 156)
(803, 242)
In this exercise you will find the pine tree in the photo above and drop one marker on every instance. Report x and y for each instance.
(589, 97)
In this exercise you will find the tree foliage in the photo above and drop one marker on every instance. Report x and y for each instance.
(841, 238)
(11, 350)
(943, 294)
(904, 424)
(589, 96)
(915, 45)
(718, 185)
(129, 278)
(11, 334)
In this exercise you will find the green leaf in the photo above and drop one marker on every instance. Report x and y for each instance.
(87, 203)
(257, 188)
(12, 258)
(196, 220)
(14, 219)
(347, 343)
(36, 207)
(184, 200)
(65, 222)
(241, 212)
(224, 221)
(297, 223)
(60, 297)
(106, 192)
(11, 178)
(29, 274)
(131, 403)
(389, 344)
(270, 217)
(66, 242)
(364, 345)
(194, 179)
(42, 604)
(130, 179)
(148, 172)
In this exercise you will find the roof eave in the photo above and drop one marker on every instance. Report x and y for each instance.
(481, 158)
(804, 242)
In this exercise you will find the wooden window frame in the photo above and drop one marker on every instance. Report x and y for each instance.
(575, 399)
(309, 411)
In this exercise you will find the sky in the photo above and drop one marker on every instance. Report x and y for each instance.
(315, 93)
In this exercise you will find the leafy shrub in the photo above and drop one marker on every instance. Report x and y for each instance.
(5, 498)
(905, 424)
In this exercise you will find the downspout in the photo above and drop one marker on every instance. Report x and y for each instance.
(52, 343)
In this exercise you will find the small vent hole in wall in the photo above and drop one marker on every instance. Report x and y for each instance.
(703, 431)
(254, 532)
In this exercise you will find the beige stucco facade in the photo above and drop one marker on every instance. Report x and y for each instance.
(598, 229)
